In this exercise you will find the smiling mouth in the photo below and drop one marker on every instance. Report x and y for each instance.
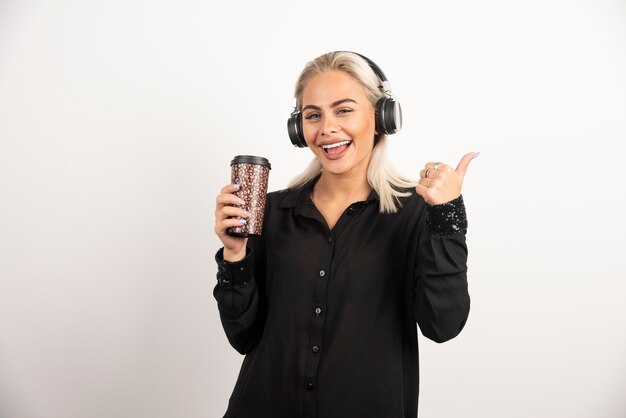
(336, 148)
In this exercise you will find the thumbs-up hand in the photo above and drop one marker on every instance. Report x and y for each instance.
(440, 183)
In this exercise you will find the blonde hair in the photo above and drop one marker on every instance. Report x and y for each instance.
(381, 175)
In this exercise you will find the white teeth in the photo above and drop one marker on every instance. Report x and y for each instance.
(338, 144)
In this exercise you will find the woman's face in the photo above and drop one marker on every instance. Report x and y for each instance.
(338, 122)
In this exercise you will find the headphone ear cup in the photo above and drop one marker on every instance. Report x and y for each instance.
(388, 116)
(294, 128)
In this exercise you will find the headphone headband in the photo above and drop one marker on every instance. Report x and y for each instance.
(372, 65)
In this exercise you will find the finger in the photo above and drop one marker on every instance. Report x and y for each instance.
(221, 227)
(228, 211)
(229, 188)
(226, 200)
(227, 196)
(423, 191)
(440, 167)
(432, 174)
(461, 168)
(426, 182)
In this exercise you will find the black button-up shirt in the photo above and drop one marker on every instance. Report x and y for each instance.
(327, 319)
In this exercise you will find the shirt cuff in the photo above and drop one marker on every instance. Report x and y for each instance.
(235, 273)
(447, 218)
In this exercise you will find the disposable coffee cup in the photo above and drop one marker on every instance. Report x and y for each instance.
(252, 174)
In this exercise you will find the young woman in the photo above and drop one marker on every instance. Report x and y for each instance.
(325, 303)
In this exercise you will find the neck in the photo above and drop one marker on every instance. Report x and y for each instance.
(331, 187)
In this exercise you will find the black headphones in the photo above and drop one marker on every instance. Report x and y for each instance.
(388, 111)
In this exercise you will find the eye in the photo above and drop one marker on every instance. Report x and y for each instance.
(344, 111)
(312, 116)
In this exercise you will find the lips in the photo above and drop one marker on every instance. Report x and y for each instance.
(336, 148)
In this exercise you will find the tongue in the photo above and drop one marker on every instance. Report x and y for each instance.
(337, 150)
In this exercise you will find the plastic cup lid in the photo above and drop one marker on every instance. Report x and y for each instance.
(251, 159)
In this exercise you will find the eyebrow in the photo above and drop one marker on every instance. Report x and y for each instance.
(333, 104)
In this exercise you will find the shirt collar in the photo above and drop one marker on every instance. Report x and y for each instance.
(300, 198)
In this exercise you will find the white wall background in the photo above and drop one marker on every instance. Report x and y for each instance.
(118, 120)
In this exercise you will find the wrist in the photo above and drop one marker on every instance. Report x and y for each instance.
(234, 256)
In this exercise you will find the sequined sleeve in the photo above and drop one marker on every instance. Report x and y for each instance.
(235, 273)
(447, 218)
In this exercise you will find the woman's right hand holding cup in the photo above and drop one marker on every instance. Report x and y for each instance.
(228, 213)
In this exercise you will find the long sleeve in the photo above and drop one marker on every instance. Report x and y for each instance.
(442, 300)
(239, 294)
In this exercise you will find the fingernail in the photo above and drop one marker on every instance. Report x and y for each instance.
(235, 186)
(240, 201)
(246, 213)
(242, 221)
(476, 155)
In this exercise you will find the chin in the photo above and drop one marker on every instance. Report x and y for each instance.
(338, 168)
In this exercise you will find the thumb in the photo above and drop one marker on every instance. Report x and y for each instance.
(464, 163)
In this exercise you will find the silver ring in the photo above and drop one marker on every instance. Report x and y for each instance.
(427, 171)
(437, 165)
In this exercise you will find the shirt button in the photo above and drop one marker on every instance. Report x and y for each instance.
(322, 273)
(318, 311)
(350, 210)
(330, 240)
(310, 386)
(315, 349)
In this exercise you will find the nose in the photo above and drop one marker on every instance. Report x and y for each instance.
(330, 125)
